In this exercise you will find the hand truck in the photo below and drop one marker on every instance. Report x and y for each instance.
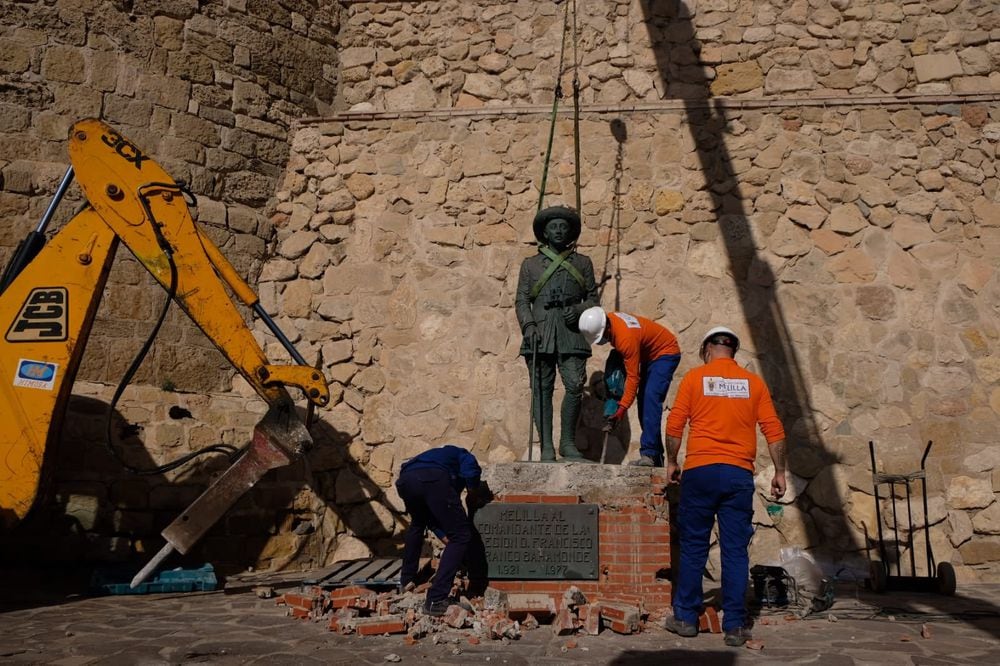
(881, 577)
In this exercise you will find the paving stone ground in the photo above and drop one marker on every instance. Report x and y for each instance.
(43, 621)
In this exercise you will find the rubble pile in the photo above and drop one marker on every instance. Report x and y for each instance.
(497, 615)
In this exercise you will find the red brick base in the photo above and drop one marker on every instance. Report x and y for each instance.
(634, 549)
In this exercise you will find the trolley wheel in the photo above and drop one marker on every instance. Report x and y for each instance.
(945, 581)
(877, 576)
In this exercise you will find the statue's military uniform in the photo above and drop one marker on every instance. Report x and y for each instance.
(547, 298)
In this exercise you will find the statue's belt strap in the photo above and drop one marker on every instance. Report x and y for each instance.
(558, 261)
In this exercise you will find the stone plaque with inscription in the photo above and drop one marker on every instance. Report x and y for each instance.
(540, 541)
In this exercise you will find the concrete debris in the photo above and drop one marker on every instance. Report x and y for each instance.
(264, 592)
(494, 599)
(497, 616)
(574, 597)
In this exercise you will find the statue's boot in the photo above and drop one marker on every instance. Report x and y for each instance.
(548, 452)
(568, 451)
(569, 415)
(543, 418)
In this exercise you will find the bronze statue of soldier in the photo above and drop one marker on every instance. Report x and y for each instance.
(553, 288)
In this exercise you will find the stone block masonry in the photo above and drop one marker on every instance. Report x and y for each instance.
(208, 91)
(820, 176)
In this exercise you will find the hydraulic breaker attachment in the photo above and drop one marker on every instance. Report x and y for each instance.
(279, 438)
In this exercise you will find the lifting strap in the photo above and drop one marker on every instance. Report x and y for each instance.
(555, 109)
(558, 260)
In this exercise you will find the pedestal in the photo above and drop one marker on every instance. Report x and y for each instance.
(528, 536)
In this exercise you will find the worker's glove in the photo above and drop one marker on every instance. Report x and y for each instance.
(572, 319)
(618, 415)
(531, 337)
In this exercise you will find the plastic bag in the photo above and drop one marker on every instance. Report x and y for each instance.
(803, 568)
(814, 590)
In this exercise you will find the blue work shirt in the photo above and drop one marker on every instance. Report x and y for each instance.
(462, 466)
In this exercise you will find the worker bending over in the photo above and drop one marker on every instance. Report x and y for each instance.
(723, 404)
(651, 354)
(431, 485)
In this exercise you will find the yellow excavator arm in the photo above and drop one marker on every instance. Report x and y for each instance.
(49, 297)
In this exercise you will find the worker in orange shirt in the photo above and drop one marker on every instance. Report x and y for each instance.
(723, 404)
(651, 354)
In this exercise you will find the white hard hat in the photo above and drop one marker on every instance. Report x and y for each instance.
(592, 323)
(720, 330)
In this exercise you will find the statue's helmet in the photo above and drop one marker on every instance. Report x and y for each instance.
(543, 216)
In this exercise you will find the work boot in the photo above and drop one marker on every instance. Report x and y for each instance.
(436, 608)
(680, 627)
(737, 637)
(644, 461)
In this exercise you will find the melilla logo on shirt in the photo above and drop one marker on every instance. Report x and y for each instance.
(630, 321)
(722, 387)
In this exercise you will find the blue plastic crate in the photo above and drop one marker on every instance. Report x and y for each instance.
(117, 581)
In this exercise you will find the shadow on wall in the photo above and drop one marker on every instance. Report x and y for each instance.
(682, 76)
(359, 503)
(590, 436)
(92, 510)
(674, 43)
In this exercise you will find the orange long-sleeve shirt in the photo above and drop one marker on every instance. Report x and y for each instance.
(724, 404)
(638, 340)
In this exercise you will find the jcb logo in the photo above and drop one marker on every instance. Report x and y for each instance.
(42, 317)
(126, 149)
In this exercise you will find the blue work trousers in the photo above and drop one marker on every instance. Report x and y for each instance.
(654, 382)
(433, 502)
(707, 492)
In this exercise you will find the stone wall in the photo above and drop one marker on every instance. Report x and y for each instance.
(852, 250)
(455, 54)
(209, 90)
(835, 202)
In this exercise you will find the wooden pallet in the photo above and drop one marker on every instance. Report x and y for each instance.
(374, 571)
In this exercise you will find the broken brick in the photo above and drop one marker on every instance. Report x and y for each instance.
(709, 622)
(591, 619)
(374, 626)
(455, 616)
(620, 627)
(349, 592)
(564, 623)
(621, 618)
(299, 601)
(621, 612)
